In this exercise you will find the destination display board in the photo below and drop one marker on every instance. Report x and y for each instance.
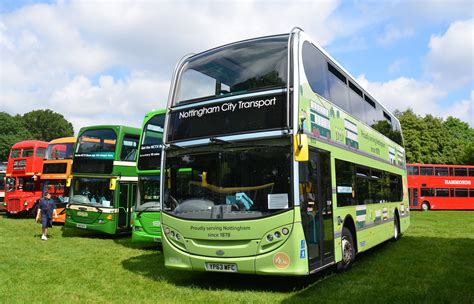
(149, 157)
(93, 162)
(251, 114)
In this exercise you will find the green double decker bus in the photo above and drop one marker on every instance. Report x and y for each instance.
(146, 215)
(104, 179)
(293, 165)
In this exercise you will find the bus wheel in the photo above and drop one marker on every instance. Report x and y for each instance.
(425, 206)
(348, 250)
(396, 228)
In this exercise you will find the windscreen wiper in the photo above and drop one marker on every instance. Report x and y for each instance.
(218, 140)
(145, 209)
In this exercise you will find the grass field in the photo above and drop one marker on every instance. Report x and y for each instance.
(432, 263)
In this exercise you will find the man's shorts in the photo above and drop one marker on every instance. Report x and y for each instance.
(46, 222)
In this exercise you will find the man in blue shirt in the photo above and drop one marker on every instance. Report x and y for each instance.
(46, 211)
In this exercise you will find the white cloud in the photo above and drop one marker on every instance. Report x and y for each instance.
(393, 33)
(397, 65)
(463, 110)
(51, 54)
(110, 101)
(450, 60)
(403, 93)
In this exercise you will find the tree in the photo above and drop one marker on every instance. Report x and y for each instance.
(433, 140)
(35, 125)
(12, 131)
(47, 125)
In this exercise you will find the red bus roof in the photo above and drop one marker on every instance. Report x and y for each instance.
(30, 144)
(441, 165)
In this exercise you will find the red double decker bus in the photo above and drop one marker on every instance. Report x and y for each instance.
(447, 187)
(23, 176)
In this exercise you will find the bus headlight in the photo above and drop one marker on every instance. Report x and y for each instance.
(25, 203)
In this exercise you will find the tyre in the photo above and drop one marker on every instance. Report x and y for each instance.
(425, 206)
(396, 228)
(348, 250)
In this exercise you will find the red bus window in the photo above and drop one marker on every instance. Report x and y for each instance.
(27, 153)
(442, 192)
(471, 192)
(460, 192)
(413, 170)
(15, 153)
(40, 152)
(471, 171)
(460, 171)
(426, 170)
(441, 171)
(427, 192)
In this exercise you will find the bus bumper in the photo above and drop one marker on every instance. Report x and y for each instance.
(143, 237)
(108, 227)
(282, 261)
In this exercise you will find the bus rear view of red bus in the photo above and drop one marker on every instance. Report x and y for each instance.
(22, 189)
(444, 187)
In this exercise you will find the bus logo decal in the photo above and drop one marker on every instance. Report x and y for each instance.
(281, 260)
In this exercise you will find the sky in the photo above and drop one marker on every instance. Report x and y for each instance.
(110, 62)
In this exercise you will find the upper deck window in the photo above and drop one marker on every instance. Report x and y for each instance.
(129, 148)
(40, 152)
(15, 153)
(413, 170)
(235, 69)
(460, 171)
(60, 151)
(98, 141)
(27, 153)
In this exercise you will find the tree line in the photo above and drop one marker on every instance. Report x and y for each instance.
(428, 139)
(43, 125)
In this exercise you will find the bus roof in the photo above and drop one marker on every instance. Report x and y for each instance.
(133, 130)
(30, 144)
(63, 140)
(441, 165)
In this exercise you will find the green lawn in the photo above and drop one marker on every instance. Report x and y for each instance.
(432, 262)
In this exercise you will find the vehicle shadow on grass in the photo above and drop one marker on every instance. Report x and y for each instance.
(411, 270)
(151, 265)
(123, 239)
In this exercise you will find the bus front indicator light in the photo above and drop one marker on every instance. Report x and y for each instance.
(110, 217)
(285, 231)
(167, 230)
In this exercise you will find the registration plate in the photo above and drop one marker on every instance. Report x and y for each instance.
(83, 226)
(82, 213)
(221, 267)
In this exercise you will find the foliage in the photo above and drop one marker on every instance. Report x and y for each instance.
(39, 125)
(433, 140)
(431, 263)
(12, 131)
(47, 125)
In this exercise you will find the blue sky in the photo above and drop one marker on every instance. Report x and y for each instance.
(87, 58)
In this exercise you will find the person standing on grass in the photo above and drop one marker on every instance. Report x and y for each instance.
(46, 211)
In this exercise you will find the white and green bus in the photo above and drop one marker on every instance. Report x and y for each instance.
(288, 160)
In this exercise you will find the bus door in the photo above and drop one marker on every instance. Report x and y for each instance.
(413, 193)
(126, 202)
(316, 208)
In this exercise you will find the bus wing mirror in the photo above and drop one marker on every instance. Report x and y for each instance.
(300, 147)
(113, 183)
(68, 182)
